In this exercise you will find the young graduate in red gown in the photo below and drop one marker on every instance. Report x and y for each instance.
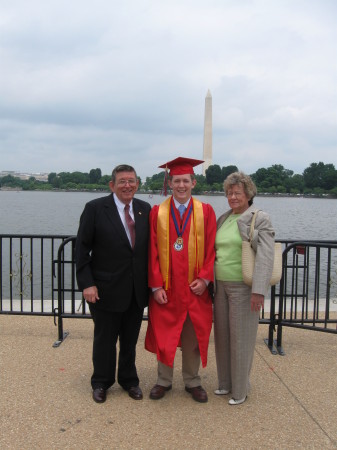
(181, 259)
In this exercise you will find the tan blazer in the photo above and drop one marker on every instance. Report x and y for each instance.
(263, 244)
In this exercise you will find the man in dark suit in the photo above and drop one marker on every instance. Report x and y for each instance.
(111, 269)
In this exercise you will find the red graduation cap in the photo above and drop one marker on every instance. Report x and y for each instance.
(181, 166)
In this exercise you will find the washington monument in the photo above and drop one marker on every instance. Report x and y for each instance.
(207, 153)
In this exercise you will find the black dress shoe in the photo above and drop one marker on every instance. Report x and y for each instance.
(158, 391)
(99, 395)
(135, 392)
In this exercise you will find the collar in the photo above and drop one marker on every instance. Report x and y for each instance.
(120, 205)
(177, 204)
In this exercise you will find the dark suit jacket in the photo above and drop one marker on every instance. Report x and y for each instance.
(105, 258)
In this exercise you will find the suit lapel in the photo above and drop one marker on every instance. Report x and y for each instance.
(114, 217)
(139, 219)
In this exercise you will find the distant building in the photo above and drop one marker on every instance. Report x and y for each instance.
(25, 176)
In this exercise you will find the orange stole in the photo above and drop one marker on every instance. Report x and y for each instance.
(196, 240)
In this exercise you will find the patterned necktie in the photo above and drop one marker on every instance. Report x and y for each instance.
(131, 225)
(181, 210)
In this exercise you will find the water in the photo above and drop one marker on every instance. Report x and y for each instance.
(58, 213)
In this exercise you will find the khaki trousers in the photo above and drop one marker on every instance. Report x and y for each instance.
(190, 359)
(235, 330)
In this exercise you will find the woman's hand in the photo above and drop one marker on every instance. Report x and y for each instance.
(256, 302)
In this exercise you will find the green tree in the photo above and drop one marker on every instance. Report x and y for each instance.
(104, 180)
(73, 177)
(51, 177)
(260, 176)
(272, 177)
(154, 183)
(95, 175)
(227, 171)
(57, 182)
(295, 184)
(201, 185)
(320, 175)
(333, 192)
(217, 187)
(70, 185)
(8, 180)
(213, 174)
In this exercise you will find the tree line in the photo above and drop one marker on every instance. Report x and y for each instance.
(317, 179)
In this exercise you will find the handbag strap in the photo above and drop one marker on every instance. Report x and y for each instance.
(252, 225)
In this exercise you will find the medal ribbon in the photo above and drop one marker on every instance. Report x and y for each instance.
(186, 219)
(196, 240)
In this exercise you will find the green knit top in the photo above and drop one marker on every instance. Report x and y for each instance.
(228, 245)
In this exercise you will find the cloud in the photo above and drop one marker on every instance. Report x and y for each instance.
(87, 85)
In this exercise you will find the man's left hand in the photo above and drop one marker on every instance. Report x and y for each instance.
(198, 286)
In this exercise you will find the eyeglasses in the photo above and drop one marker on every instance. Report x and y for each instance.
(235, 194)
(123, 182)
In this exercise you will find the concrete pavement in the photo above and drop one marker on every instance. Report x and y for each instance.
(46, 398)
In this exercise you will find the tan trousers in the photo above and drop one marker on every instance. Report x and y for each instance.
(235, 330)
(190, 359)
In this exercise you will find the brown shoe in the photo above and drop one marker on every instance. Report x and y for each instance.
(99, 395)
(198, 394)
(135, 392)
(158, 391)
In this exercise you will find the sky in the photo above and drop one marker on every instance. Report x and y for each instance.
(92, 84)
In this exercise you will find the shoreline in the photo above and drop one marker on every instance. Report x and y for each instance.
(151, 193)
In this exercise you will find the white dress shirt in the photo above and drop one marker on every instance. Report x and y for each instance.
(120, 207)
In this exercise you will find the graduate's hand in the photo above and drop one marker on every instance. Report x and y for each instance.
(90, 294)
(198, 286)
(160, 296)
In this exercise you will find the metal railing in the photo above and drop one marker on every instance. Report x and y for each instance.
(308, 288)
(27, 271)
(38, 278)
(70, 300)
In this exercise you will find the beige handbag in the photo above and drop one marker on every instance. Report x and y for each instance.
(248, 259)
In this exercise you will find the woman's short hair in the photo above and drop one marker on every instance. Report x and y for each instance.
(243, 179)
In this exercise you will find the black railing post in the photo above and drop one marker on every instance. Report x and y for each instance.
(272, 322)
(60, 291)
(278, 342)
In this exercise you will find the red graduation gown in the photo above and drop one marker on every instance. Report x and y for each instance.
(166, 321)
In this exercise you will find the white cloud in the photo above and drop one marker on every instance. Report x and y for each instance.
(88, 84)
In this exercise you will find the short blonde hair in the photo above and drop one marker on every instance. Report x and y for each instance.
(243, 179)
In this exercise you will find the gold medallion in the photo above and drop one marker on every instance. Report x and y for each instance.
(179, 244)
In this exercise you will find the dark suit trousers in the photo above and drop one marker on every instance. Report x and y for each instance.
(108, 327)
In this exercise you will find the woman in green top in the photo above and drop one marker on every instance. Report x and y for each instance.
(236, 305)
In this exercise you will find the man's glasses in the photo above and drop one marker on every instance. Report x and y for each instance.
(123, 182)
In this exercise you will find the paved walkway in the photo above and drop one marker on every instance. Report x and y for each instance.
(46, 396)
